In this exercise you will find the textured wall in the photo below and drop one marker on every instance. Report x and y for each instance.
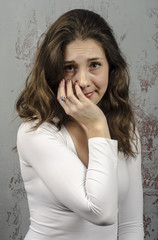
(21, 23)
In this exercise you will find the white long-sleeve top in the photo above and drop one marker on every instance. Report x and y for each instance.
(68, 201)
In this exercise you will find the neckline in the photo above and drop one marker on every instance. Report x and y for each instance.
(70, 139)
(71, 142)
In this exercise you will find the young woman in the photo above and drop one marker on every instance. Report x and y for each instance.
(78, 147)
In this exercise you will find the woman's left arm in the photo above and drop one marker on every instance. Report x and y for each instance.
(131, 208)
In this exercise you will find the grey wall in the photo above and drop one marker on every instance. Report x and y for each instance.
(21, 23)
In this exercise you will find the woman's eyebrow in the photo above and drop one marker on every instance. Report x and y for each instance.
(89, 59)
(95, 58)
(65, 62)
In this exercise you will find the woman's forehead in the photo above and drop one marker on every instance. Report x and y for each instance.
(88, 48)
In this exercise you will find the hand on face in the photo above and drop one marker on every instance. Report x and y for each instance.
(78, 106)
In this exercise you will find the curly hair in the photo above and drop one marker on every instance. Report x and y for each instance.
(39, 98)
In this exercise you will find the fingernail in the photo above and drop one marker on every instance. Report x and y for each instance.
(62, 80)
(67, 81)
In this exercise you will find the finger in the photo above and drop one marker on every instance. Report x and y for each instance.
(61, 96)
(61, 90)
(70, 93)
(79, 93)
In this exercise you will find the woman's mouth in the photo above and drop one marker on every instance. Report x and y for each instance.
(89, 94)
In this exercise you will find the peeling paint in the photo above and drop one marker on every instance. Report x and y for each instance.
(26, 44)
(14, 220)
(123, 37)
(147, 222)
(16, 186)
(147, 76)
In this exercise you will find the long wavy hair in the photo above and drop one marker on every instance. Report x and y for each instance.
(39, 98)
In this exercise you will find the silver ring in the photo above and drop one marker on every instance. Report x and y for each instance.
(63, 99)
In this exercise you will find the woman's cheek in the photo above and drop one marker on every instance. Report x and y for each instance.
(68, 75)
(103, 80)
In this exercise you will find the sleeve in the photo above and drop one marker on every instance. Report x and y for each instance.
(92, 192)
(131, 208)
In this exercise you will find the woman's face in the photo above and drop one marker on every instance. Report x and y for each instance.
(85, 62)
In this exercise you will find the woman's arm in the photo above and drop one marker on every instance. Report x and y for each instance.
(91, 193)
(131, 208)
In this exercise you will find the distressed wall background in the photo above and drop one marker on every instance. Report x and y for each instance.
(135, 24)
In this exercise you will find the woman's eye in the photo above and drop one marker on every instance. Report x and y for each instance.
(95, 65)
(69, 68)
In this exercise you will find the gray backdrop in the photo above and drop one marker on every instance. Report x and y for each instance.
(135, 24)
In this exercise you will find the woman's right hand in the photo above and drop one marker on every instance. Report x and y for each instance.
(83, 110)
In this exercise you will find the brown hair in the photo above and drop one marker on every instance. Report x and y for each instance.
(39, 98)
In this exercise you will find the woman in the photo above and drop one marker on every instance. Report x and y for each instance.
(79, 152)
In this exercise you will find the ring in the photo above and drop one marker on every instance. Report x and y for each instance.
(63, 99)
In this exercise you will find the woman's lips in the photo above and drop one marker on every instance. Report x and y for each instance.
(89, 94)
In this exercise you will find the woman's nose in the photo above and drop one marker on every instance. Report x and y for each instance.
(82, 78)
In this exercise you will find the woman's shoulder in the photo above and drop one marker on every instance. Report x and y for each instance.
(30, 127)
(29, 131)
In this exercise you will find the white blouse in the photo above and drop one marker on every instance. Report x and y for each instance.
(68, 201)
